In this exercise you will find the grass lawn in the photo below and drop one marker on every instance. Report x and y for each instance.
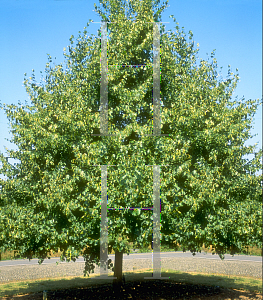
(40, 285)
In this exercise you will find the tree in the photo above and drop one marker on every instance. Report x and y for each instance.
(210, 195)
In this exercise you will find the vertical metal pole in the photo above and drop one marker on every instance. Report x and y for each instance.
(104, 131)
(103, 224)
(156, 226)
(104, 228)
(156, 169)
(156, 223)
(156, 81)
(104, 82)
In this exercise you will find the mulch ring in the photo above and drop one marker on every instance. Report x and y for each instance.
(143, 289)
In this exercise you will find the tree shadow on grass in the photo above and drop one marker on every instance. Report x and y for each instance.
(179, 286)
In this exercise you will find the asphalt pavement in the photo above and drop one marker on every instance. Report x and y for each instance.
(201, 255)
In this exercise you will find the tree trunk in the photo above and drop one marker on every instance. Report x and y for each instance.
(118, 268)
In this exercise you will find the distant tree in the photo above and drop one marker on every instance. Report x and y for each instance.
(210, 195)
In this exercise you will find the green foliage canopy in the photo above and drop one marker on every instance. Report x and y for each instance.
(209, 194)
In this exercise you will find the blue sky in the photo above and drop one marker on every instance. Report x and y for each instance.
(31, 29)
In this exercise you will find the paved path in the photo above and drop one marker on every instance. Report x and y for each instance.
(239, 265)
(202, 255)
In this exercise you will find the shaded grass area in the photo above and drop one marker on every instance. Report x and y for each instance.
(11, 289)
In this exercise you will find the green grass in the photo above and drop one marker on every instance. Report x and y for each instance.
(34, 286)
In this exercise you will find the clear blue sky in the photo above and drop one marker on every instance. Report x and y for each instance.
(31, 29)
